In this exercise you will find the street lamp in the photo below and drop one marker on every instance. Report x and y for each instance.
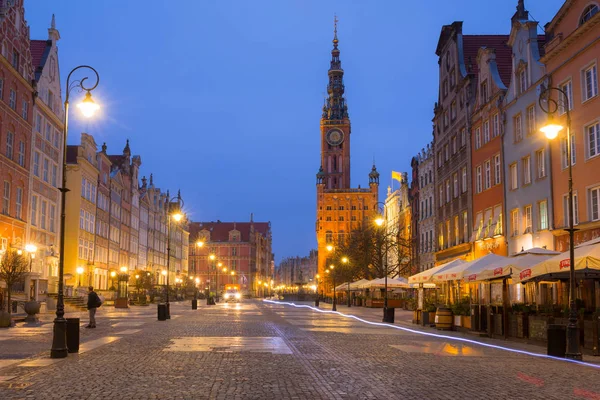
(345, 261)
(112, 275)
(79, 273)
(213, 258)
(88, 107)
(176, 216)
(551, 130)
(317, 276)
(219, 265)
(380, 221)
(31, 249)
(334, 306)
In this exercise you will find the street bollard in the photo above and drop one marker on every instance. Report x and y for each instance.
(194, 304)
(73, 335)
(162, 312)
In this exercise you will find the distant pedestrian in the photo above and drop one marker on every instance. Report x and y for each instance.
(92, 304)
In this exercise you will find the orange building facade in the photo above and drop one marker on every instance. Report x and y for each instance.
(571, 56)
(340, 208)
(494, 67)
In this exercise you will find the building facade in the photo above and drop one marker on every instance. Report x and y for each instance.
(571, 57)
(16, 105)
(243, 249)
(526, 151)
(398, 220)
(426, 215)
(293, 271)
(340, 208)
(494, 70)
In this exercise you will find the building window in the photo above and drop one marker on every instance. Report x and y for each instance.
(484, 92)
(10, 141)
(6, 198)
(497, 170)
(353, 208)
(514, 181)
(527, 216)
(341, 208)
(353, 218)
(593, 138)
(45, 170)
(527, 170)
(463, 137)
(540, 156)
(38, 123)
(25, 110)
(455, 181)
(514, 221)
(327, 218)
(36, 164)
(447, 191)
(486, 131)
(453, 110)
(328, 208)
(523, 81)
(34, 210)
(441, 236)
(441, 195)
(543, 209)
(454, 148)
(566, 210)
(456, 233)
(52, 214)
(590, 83)
(595, 203)
(440, 160)
(477, 138)
(566, 87)
(564, 151)
(21, 157)
(495, 125)
(328, 237)
(43, 214)
(517, 128)
(12, 101)
(488, 174)
(54, 174)
(531, 120)
(446, 152)
(448, 232)
(465, 227)
(340, 218)
(478, 179)
(464, 179)
(588, 13)
(446, 118)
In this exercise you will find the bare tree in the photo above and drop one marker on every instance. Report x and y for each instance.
(13, 268)
(367, 248)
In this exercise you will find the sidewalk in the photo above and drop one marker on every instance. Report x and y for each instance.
(403, 318)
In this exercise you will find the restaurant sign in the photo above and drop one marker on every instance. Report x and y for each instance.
(498, 271)
(564, 264)
(526, 273)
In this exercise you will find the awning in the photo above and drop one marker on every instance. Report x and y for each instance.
(425, 276)
(587, 262)
(511, 266)
(468, 271)
(391, 283)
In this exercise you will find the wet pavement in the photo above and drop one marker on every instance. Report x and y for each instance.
(257, 350)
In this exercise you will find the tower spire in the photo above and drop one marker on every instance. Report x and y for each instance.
(335, 108)
(522, 14)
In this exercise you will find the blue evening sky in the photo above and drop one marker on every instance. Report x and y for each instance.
(223, 98)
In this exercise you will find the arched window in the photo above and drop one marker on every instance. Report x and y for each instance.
(588, 13)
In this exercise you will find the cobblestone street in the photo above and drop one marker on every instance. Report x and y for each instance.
(257, 350)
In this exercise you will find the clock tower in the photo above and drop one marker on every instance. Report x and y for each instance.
(335, 126)
(341, 209)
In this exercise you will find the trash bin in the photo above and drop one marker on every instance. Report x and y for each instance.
(194, 304)
(388, 315)
(317, 302)
(557, 340)
(162, 312)
(73, 335)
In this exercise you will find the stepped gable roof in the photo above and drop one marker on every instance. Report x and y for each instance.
(472, 44)
(219, 231)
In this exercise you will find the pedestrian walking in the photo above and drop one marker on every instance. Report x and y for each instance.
(92, 304)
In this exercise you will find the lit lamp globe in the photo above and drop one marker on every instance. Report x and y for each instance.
(551, 130)
(88, 106)
(79, 270)
(344, 260)
(379, 220)
(123, 269)
(113, 274)
(177, 217)
(164, 272)
(329, 247)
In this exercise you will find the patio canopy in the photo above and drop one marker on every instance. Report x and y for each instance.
(512, 266)
(587, 264)
(356, 285)
(468, 270)
(392, 283)
(343, 286)
(425, 276)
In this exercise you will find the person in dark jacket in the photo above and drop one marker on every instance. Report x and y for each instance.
(92, 304)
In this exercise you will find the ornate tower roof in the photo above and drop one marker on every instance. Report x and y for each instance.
(374, 176)
(335, 108)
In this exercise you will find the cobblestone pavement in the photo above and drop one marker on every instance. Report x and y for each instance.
(260, 350)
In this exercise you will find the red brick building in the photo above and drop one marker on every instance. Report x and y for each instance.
(241, 247)
(16, 103)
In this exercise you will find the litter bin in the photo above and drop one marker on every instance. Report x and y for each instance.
(162, 312)
(73, 335)
(557, 340)
(317, 302)
(388, 315)
(194, 304)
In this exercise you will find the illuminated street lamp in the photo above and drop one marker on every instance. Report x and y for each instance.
(176, 216)
(79, 273)
(213, 258)
(388, 316)
(334, 306)
(551, 130)
(345, 261)
(59, 332)
(219, 265)
(31, 249)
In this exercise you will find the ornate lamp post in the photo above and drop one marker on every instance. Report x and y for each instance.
(330, 271)
(177, 216)
(219, 265)
(88, 107)
(345, 261)
(212, 258)
(551, 130)
(381, 221)
(317, 276)
(122, 281)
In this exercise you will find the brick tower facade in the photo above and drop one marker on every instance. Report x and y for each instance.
(340, 209)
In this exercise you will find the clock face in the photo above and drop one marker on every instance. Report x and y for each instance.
(334, 137)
